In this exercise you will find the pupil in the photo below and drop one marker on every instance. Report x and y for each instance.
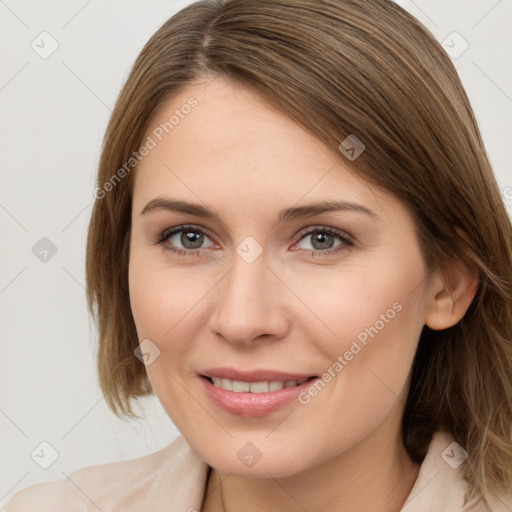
(191, 239)
(322, 240)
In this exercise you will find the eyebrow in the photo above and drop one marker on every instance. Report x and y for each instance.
(291, 213)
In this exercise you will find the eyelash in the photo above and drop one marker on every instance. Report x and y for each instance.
(346, 241)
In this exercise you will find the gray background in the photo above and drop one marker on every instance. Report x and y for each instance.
(53, 113)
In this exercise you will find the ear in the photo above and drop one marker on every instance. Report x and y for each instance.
(452, 292)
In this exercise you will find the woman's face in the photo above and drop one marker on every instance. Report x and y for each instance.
(260, 285)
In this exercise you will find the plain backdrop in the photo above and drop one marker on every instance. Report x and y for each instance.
(53, 113)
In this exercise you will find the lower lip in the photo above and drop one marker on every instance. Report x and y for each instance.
(252, 405)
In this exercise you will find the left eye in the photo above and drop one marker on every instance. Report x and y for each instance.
(322, 239)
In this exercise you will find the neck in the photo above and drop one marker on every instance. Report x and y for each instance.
(376, 475)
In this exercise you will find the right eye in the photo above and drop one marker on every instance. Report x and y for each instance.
(184, 240)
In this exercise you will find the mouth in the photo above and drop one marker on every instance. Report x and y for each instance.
(253, 394)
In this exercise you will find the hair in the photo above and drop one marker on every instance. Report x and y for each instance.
(340, 67)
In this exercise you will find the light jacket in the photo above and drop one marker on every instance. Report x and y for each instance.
(173, 479)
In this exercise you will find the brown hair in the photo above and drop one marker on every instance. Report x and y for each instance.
(340, 67)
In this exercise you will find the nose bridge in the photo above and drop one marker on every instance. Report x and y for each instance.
(246, 284)
(246, 306)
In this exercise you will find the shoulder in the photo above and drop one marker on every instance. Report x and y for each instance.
(157, 481)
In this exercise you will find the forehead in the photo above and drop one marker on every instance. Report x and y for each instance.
(218, 142)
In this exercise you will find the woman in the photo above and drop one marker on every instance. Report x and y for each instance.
(299, 246)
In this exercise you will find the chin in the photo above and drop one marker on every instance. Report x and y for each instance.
(244, 458)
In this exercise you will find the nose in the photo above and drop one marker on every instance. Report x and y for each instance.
(250, 304)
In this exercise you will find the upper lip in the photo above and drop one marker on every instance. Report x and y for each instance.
(254, 375)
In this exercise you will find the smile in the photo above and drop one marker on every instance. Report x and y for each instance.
(252, 394)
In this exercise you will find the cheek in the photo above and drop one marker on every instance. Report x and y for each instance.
(377, 318)
(165, 306)
(167, 302)
(364, 303)
(371, 320)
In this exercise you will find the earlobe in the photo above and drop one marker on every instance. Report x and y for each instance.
(451, 295)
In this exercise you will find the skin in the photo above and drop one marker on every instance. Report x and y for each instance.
(288, 310)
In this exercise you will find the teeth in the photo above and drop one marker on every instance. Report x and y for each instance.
(255, 387)
(240, 387)
(276, 385)
(259, 387)
(226, 384)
